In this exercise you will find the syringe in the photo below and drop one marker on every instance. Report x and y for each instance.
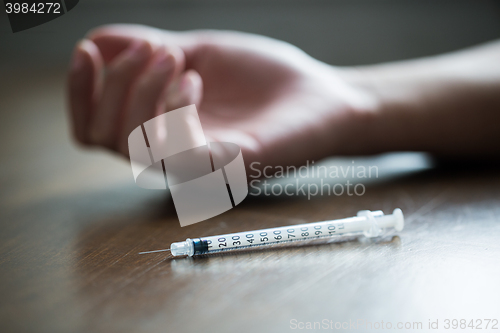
(367, 223)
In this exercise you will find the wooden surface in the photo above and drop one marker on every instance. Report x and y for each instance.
(72, 223)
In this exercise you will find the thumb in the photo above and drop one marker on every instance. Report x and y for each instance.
(186, 90)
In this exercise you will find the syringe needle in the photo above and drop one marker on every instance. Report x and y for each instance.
(154, 251)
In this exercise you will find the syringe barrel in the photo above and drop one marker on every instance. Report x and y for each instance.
(371, 224)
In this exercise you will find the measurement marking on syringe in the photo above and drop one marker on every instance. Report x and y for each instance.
(272, 243)
(271, 236)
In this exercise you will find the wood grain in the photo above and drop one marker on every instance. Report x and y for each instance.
(72, 223)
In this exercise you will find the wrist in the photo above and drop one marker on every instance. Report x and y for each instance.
(365, 127)
(392, 120)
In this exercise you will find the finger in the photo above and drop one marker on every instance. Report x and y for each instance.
(113, 39)
(146, 94)
(187, 90)
(86, 65)
(121, 74)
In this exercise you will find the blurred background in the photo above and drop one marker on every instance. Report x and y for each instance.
(341, 32)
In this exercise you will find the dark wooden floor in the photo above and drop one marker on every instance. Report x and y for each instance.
(73, 221)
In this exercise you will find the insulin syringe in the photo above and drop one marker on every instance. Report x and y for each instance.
(367, 223)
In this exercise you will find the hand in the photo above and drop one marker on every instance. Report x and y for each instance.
(281, 106)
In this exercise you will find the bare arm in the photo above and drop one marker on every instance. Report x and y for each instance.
(448, 105)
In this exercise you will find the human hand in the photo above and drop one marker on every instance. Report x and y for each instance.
(281, 106)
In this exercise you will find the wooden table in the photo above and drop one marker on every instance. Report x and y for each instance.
(72, 223)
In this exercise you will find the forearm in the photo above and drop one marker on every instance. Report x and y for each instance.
(447, 105)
